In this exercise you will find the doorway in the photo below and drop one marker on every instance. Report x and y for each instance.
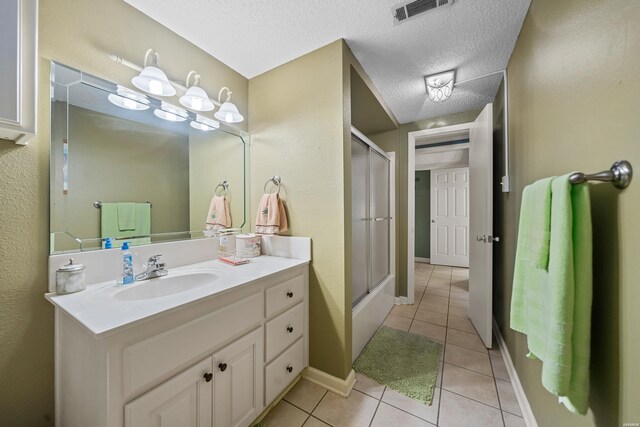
(480, 215)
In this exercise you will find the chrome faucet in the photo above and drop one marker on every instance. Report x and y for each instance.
(155, 268)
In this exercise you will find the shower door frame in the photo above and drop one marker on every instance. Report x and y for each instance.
(392, 211)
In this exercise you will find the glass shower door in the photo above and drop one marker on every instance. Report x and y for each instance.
(360, 220)
(380, 218)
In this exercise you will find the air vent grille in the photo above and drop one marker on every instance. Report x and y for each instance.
(408, 10)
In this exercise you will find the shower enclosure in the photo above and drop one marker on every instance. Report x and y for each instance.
(372, 277)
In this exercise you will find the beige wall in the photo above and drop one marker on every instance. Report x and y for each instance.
(575, 105)
(303, 143)
(79, 34)
(396, 140)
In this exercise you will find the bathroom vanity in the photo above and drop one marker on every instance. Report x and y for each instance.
(207, 345)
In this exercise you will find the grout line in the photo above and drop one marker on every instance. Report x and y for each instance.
(467, 397)
(407, 412)
(470, 370)
(374, 413)
(444, 349)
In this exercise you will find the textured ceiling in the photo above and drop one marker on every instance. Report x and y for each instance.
(475, 37)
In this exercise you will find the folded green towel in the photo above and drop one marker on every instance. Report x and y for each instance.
(126, 216)
(552, 305)
(109, 224)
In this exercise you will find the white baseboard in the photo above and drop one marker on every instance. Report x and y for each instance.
(331, 383)
(527, 412)
(402, 300)
(424, 260)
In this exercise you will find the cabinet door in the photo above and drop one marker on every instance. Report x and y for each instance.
(238, 383)
(184, 400)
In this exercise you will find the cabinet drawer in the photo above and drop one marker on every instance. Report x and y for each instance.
(284, 330)
(284, 295)
(148, 360)
(283, 370)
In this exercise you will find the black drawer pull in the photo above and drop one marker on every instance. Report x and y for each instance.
(290, 329)
(222, 367)
(208, 376)
(290, 294)
(289, 368)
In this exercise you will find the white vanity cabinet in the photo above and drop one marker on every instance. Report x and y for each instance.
(18, 69)
(218, 361)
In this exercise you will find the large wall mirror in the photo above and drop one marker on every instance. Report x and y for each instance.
(129, 167)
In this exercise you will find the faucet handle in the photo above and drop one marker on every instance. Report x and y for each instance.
(155, 259)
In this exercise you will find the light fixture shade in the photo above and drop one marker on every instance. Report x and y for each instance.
(228, 113)
(129, 99)
(440, 86)
(154, 81)
(171, 113)
(196, 99)
(204, 123)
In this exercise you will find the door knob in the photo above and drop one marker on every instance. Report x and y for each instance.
(222, 367)
(208, 376)
(481, 238)
(492, 239)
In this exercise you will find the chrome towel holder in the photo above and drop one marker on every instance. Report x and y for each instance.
(619, 175)
(224, 191)
(276, 180)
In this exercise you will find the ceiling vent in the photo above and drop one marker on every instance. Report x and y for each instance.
(404, 11)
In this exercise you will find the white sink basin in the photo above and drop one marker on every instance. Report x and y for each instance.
(164, 286)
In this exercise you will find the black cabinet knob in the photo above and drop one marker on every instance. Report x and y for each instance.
(289, 369)
(208, 376)
(290, 329)
(222, 367)
(290, 294)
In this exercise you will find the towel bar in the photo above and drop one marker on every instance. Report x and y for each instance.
(98, 204)
(619, 175)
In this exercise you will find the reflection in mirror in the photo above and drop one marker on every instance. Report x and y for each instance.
(128, 167)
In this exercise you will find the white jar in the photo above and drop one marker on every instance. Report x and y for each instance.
(70, 278)
(247, 245)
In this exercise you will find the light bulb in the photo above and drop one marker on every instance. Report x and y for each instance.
(129, 103)
(155, 87)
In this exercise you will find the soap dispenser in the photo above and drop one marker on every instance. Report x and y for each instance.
(127, 266)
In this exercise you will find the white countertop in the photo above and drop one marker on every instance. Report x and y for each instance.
(98, 310)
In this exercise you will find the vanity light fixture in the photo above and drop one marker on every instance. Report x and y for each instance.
(152, 79)
(196, 98)
(228, 111)
(129, 99)
(171, 113)
(204, 123)
(440, 86)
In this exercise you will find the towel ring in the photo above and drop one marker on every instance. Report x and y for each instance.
(275, 180)
(225, 189)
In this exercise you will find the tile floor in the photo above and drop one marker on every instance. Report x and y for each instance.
(473, 387)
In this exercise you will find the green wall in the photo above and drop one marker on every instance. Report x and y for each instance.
(397, 140)
(575, 105)
(80, 34)
(423, 214)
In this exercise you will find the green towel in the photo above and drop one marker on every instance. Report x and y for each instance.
(126, 216)
(552, 305)
(109, 224)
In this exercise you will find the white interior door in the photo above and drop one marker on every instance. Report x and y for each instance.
(481, 224)
(450, 217)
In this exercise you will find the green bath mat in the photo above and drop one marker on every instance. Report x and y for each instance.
(405, 362)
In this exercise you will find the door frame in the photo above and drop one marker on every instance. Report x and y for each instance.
(423, 137)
